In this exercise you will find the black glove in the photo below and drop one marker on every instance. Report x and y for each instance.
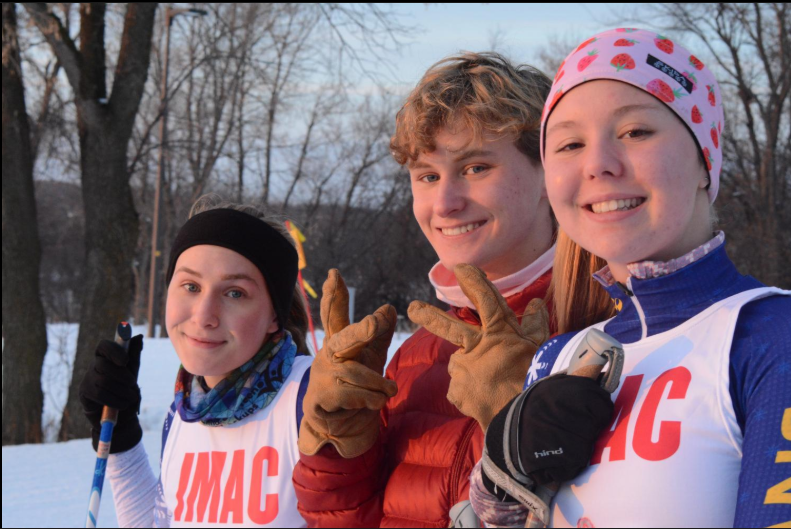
(554, 433)
(112, 381)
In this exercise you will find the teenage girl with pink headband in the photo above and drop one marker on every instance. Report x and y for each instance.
(700, 426)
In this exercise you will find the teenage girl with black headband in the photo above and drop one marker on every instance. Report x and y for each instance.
(238, 324)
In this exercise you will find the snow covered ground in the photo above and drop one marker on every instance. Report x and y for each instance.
(47, 485)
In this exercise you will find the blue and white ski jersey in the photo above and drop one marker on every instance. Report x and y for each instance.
(759, 373)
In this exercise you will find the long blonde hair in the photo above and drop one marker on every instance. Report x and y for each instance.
(578, 300)
(297, 323)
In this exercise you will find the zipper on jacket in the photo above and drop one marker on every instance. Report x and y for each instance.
(623, 288)
(639, 308)
(455, 472)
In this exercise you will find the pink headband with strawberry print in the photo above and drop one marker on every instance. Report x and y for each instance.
(662, 68)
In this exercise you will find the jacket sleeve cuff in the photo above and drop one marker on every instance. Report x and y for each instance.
(326, 482)
(329, 460)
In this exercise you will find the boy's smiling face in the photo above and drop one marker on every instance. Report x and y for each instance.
(481, 202)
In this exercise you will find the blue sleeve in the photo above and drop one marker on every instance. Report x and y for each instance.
(760, 387)
(303, 388)
(545, 358)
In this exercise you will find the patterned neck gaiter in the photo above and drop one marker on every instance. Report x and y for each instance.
(243, 392)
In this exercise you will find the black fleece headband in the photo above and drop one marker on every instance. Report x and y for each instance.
(251, 237)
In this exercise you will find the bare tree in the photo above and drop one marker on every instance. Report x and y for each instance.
(373, 150)
(326, 103)
(211, 99)
(550, 56)
(289, 38)
(259, 93)
(61, 226)
(24, 325)
(360, 217)
(105, 126)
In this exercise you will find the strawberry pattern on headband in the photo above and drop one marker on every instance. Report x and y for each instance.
(659, 65)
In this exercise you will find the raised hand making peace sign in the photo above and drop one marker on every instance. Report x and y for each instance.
(346, 388)
(490, 367)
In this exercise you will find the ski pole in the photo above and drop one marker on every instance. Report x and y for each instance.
(596, 350)
(109, 418)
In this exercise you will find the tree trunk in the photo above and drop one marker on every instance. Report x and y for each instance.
(105, 127)
(111, 230)
(24, 324)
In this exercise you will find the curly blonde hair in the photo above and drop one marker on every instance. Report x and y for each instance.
(479, 92)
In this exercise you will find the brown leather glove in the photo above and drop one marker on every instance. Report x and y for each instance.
(346, 388)
(490, 368)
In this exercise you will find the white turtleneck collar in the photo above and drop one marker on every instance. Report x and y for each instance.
(449, 291)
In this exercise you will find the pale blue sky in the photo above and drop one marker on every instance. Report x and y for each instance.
(444, 29)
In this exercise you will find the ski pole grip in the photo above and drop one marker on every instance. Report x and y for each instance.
(123, 334)
(110, 415)
(596, 349)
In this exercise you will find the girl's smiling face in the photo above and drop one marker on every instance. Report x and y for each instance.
(219, 312)
(624, 176)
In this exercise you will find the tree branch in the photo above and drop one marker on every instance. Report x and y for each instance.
(50, 79)
(59, 40)
(133, 60)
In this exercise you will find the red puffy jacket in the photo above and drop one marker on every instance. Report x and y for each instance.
(419, 467)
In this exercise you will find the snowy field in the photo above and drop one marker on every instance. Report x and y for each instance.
(47, 485)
